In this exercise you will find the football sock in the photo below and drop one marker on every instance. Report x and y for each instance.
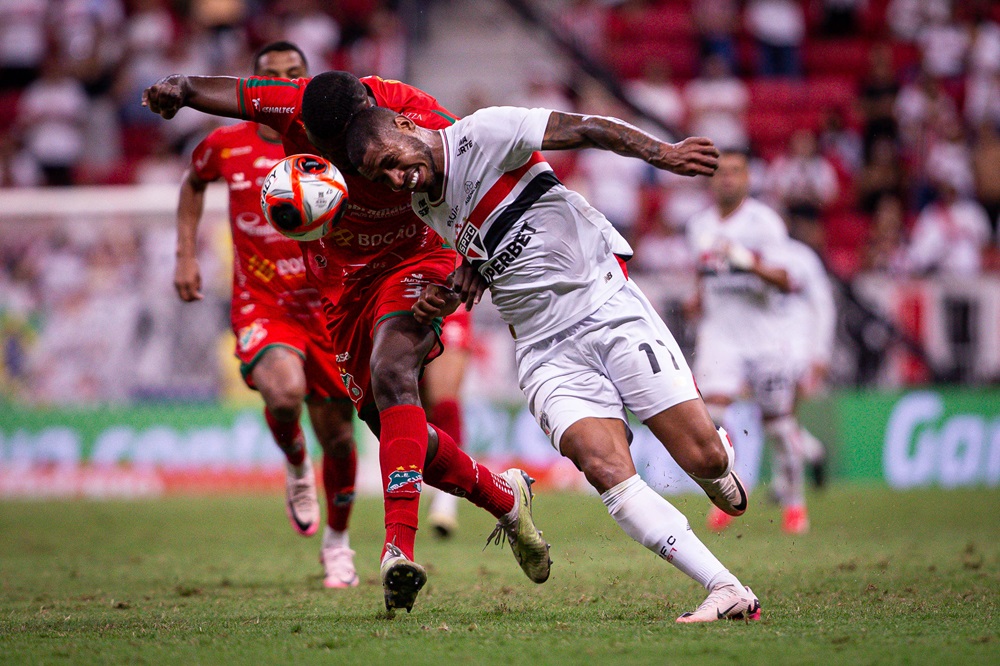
(453, 471)
(783, 432)
(289, 436)
(652, 521)
(447, 415)
(402, 447)
(338, 486)
(335, 538)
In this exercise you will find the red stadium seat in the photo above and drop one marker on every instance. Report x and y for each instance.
(628, 59)
(848, 57)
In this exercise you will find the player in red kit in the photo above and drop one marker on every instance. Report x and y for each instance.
(370, 270)
(281, 343)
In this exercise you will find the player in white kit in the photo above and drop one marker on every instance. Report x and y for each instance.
(811, 318)
(589, 344)
(743, 343)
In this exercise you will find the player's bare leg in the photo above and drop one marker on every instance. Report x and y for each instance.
(599, 447)
(718, 407)
(702, 450)
(280, 378)
(441, 385)
(334, 426)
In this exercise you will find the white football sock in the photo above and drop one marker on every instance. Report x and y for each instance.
(334, 539)
(652, 521)
(788, 459)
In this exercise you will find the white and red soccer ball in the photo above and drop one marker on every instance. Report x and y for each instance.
(303, 197)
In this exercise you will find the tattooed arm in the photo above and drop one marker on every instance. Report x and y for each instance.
(695, 156)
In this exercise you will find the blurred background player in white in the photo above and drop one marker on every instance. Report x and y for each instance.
(741, 343)
(283, 347)
(808, 315)
(589, 344)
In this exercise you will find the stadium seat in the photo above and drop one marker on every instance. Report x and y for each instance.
(847, 57)
(628, 59)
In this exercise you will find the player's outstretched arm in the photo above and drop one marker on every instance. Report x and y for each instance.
(694, 156)
(187, 274)
(216, 95)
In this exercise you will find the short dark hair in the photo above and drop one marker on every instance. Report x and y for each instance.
(330, 101)
(278, 47)
(367, 127)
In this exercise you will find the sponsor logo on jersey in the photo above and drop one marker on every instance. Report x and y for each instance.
(363, 213)
(341, 236)
(239, 182)
(264, 163)
(511, 251)
(276, 109)
(343, 358)
(250, 336)
(464, 145)
(253, 224)
(247, 309)
(200, 162)
(320, 260)
(543, 422)
(377, 240)
(235, 152)
(404, 481)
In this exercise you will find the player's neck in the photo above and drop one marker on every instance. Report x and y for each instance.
(436, 143)
(728, 208)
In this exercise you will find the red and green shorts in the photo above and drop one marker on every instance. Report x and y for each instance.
(267, 330)
(364, 306)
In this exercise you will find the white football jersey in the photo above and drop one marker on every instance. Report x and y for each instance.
(809, 309)
(548, 255)
(737, 305)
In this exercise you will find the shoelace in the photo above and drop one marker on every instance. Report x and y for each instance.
(497, 535)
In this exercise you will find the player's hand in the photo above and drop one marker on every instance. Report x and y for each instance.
(187, 279)
(436, 300)
(694, 156)
(166, 96)
(740, 258)
(469, 284)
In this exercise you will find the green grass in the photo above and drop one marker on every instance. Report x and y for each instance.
(883, 578)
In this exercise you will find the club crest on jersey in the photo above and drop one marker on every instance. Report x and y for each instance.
(353, 390)
(404, 481)
(469, 243)
(250, 336)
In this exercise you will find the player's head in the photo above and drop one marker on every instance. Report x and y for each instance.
(280, 60)
(387, 148)
(731, 182)
(329, 102)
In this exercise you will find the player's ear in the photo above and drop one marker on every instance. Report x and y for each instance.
(404, 123)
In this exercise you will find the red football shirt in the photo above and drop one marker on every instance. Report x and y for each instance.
(268, 269)
(379, 229)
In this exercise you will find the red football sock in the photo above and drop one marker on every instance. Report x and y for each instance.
(447, 415)
(338, 484)
(289, 436)
(453, 471)
(402, 447)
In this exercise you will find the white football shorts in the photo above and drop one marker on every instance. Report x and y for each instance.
(722, 366)
(622, 356)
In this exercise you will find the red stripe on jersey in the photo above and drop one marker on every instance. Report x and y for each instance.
(621, 262)
(504, 186)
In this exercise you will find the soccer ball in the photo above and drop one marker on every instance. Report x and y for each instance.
(303, 197)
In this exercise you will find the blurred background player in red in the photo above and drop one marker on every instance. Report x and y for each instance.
(281, 341)
(370, 270)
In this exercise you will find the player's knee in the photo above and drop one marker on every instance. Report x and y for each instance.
(603, 469)
(339, 442)
(394, 381)
(709, 459)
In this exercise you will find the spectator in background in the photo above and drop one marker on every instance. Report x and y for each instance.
(949, 236)
(906, 18)
(985, 161)
(717, 22)
(18, 167)
(717, 105)
(778, 28)
(885, 251)
(803, 183)
(878, 92)
(949, 159)
(664, 249)
(51, 116)
(841, 17)
(840, 142)
(382, 48)
(922, 107)
(982, 86)
(656, 94)
(22, 42)
(307, 24)
(584, 22)
(882, 175)
(944, 45)
(150, 34)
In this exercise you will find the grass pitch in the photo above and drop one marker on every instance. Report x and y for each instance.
(884, 577)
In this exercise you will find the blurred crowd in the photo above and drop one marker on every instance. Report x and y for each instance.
(873, 126)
